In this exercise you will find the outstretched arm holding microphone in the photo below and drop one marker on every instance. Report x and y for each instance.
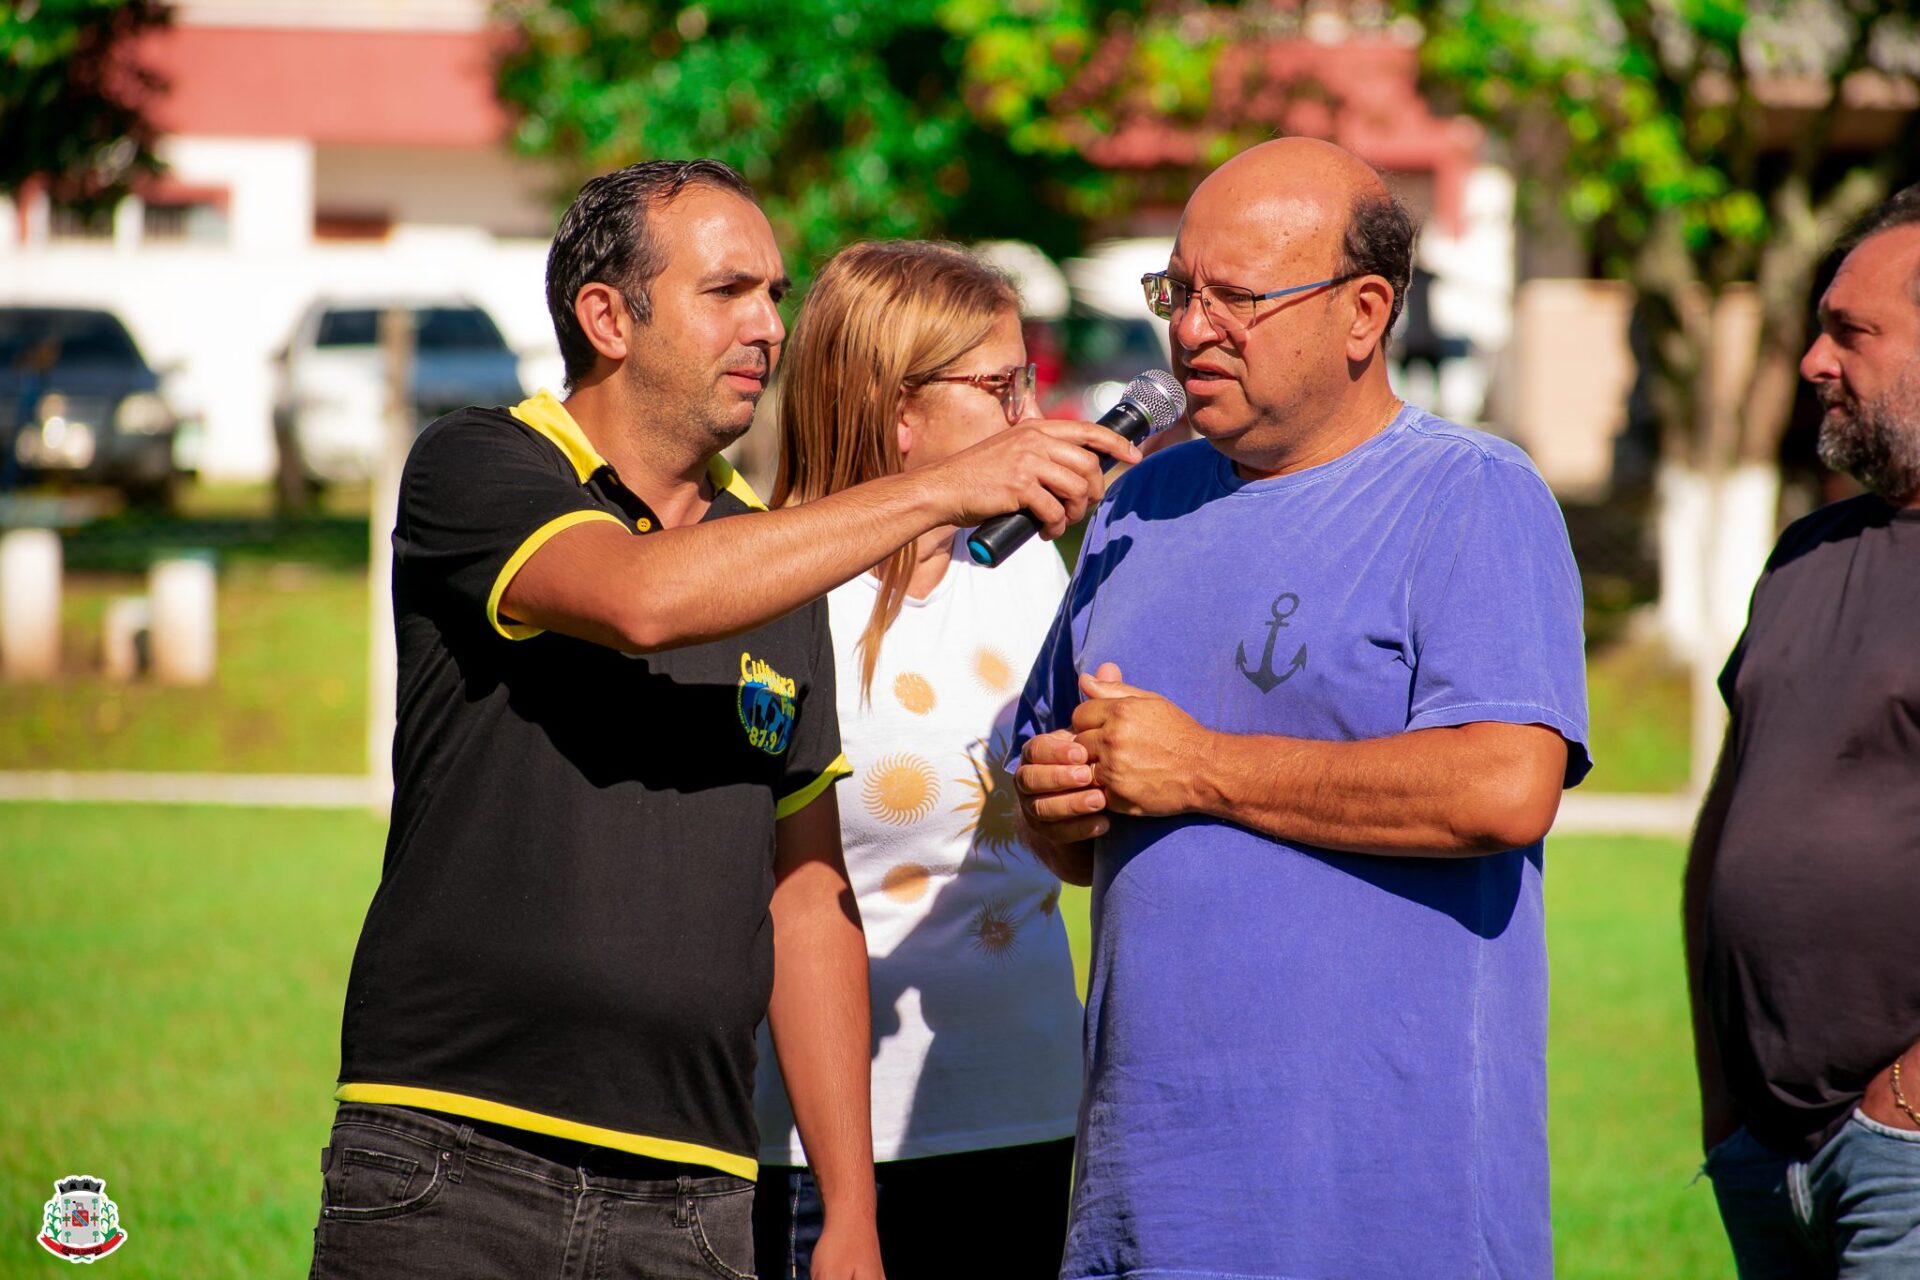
(683, 585)
(1151, 403)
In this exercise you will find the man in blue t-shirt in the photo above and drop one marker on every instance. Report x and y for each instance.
(1303, 721)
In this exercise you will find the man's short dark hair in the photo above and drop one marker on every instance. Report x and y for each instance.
(604, 238)
(1901, 209)
(1379, 242)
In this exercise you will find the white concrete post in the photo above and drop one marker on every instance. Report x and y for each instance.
(30, 604)
(125, 641)
(182, 589)
(1745, 504)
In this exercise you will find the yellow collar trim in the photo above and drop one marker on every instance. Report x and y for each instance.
(727, 480)
(550, 418)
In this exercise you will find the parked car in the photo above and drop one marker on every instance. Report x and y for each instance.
(79, 403)
(332, 391)
(1086, 358)
(1104, 337)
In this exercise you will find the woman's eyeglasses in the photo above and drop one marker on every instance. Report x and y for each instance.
(1014, 390)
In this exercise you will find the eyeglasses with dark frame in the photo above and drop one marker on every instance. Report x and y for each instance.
(1168, 297)
(1014, 389)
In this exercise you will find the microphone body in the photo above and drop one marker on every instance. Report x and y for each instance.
(1152, 402)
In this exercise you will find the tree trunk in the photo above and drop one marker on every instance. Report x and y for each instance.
(1718, 508)
(1683, 516)
(1715, 534)
(1669, 342)
(1714, 539)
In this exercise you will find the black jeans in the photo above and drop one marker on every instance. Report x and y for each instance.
(999, 1214)
(409, 1193)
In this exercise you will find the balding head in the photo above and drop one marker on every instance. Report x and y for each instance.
(1309, 192)
(1304, 172)
(1314, 235)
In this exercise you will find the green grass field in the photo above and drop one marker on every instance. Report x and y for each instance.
(1639, 707)
(290, 696)
(170, 985)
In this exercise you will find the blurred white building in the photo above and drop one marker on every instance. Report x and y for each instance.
(355, 149)
(337, 148)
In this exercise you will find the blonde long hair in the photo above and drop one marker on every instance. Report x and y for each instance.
(881, 319)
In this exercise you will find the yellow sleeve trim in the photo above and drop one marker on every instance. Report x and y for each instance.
(792, 804)
(638, 1144)
(537, 539)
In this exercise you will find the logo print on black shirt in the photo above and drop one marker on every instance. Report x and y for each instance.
(766, 705)
(1265, 679)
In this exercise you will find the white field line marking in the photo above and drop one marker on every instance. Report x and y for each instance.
(1581, 813)
(1601, 813)
(242, 790)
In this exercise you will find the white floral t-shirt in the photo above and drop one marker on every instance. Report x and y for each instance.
(976, 1024)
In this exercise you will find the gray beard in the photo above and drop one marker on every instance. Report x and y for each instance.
(1877, 446)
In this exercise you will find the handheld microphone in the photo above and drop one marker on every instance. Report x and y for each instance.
(1152, 402)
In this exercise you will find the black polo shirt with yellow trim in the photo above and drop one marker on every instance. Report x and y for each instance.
(571, 934)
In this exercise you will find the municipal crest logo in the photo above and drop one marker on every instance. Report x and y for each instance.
(81, 1225)
(766, 706)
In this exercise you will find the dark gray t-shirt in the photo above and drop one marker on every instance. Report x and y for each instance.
(1812, 941)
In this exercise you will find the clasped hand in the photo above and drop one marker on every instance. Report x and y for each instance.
(1130, 751)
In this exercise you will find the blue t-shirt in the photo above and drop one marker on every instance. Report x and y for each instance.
(1300, 1063)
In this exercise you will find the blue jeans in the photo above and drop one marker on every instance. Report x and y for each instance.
(429, 1197)
(1852, 1212)
(999, 1214)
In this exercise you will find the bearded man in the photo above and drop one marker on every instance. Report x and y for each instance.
(1803, 888)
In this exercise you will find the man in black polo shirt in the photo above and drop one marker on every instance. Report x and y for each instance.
(1803, 890)
(613, 805)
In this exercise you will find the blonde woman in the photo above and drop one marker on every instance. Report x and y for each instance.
(906, 353)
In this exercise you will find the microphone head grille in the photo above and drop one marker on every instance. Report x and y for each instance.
(1160, 395)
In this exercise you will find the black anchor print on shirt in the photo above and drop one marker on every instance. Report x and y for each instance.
(1264, 678)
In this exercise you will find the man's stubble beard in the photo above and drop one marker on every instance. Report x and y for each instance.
(1878, 442)
(697, 419)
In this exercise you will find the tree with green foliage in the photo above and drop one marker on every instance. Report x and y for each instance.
(859, 118)
(1696, 141)
(1704, 146)
(73, 106)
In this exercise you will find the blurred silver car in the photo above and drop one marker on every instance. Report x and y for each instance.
(332, 390)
